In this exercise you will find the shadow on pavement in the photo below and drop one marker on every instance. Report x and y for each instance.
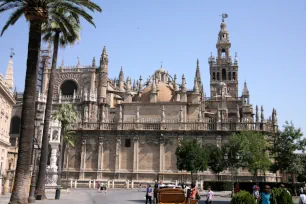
(215, 202)
(137, 201)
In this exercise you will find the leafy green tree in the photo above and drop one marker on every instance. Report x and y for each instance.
(252, 150)
(191, 157)
(36, 13)
(284, 150)
(61, 32)
(215, 159)
(280, 196)
(243, 197)
(67, 115)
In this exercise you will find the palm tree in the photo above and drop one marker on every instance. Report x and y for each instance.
(61, 34)
(36, 12)
(67, 115)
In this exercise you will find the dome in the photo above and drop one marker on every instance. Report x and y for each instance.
(164, 93)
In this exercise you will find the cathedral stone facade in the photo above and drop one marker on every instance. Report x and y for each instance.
(130, 129)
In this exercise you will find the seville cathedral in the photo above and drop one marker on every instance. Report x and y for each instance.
(129, 129)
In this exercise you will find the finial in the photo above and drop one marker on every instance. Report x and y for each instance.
(161, 64)
(224, 16)
(198, 64)
(79, 63)
(12, 53)
(63, 64)
(94, 62)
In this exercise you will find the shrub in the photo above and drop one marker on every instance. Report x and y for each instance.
(281, 196)
(243, 197)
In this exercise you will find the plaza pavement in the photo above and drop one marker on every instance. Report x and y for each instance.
(86, 196)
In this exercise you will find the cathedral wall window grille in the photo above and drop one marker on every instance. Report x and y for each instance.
(218, 76)
(127, 143)
(223, 74)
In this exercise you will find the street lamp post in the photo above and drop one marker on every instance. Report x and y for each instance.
(31, 198)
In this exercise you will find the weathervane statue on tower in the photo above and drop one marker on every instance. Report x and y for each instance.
(224, 16)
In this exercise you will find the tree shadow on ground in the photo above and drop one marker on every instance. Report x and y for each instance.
(137, 201)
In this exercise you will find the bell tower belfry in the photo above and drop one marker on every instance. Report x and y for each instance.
(222, 68)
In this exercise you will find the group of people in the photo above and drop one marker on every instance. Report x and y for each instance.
(190, 192)
(101, 187)
(265, 196)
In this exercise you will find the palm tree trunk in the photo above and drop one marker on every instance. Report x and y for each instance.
(60, 165)
(40, 192)
(20, 190)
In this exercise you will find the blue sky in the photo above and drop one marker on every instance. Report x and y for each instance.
(269, 37)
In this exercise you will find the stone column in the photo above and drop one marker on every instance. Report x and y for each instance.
(118, 145)
(83, 158)
(135, 154)
(161, 154)
(52, 178)
(100, 157)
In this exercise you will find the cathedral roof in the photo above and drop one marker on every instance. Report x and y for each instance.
(164, 93)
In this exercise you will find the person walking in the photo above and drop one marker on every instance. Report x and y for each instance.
(149, 194)
(256, 194)
(265, 196)
(98, 186)
(303, 197)
(210, 195)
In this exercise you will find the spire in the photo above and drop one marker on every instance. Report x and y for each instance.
(134, 85)
(175, 87)
(94, 62)
(223, 43)
(128, 84)
(245, 91)
(79, 63)
(183, 86)
(63, 64)
(140, 83)
(262, 115)
(195, 87)
(198, 74)
(257, 114)
(121, 80)
(9, 73)
(104, 57)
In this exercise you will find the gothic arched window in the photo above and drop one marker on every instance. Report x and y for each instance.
(234, 76)
(223, 74)
(15, 125)
(68, 88)
(229, 76)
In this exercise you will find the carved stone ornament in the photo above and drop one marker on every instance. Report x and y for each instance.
(101, 140)
(135, 139)
(61, 77)
(84, 140)
(118, 140)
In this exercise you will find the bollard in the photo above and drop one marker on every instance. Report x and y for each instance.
(132, 185)
(175, 182)
(94, 183)
(89, 184)
(127, 184)
(71, 183)
(113, 184)
(75, 184)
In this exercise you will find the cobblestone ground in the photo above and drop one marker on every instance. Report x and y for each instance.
(85, 196)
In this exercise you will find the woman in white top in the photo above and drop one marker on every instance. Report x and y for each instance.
(303, 197)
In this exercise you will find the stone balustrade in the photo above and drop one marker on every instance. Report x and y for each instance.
(208, 125)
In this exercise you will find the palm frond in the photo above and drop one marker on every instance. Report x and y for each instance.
(12, 19)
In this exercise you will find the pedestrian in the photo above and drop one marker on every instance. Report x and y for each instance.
(155, 191)
(265, 196)
(303, 197)
(149, 194)
(193, 191)
(103, 187)
(139, 187)
(98, 186)
(256, 194)
(210, 195)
